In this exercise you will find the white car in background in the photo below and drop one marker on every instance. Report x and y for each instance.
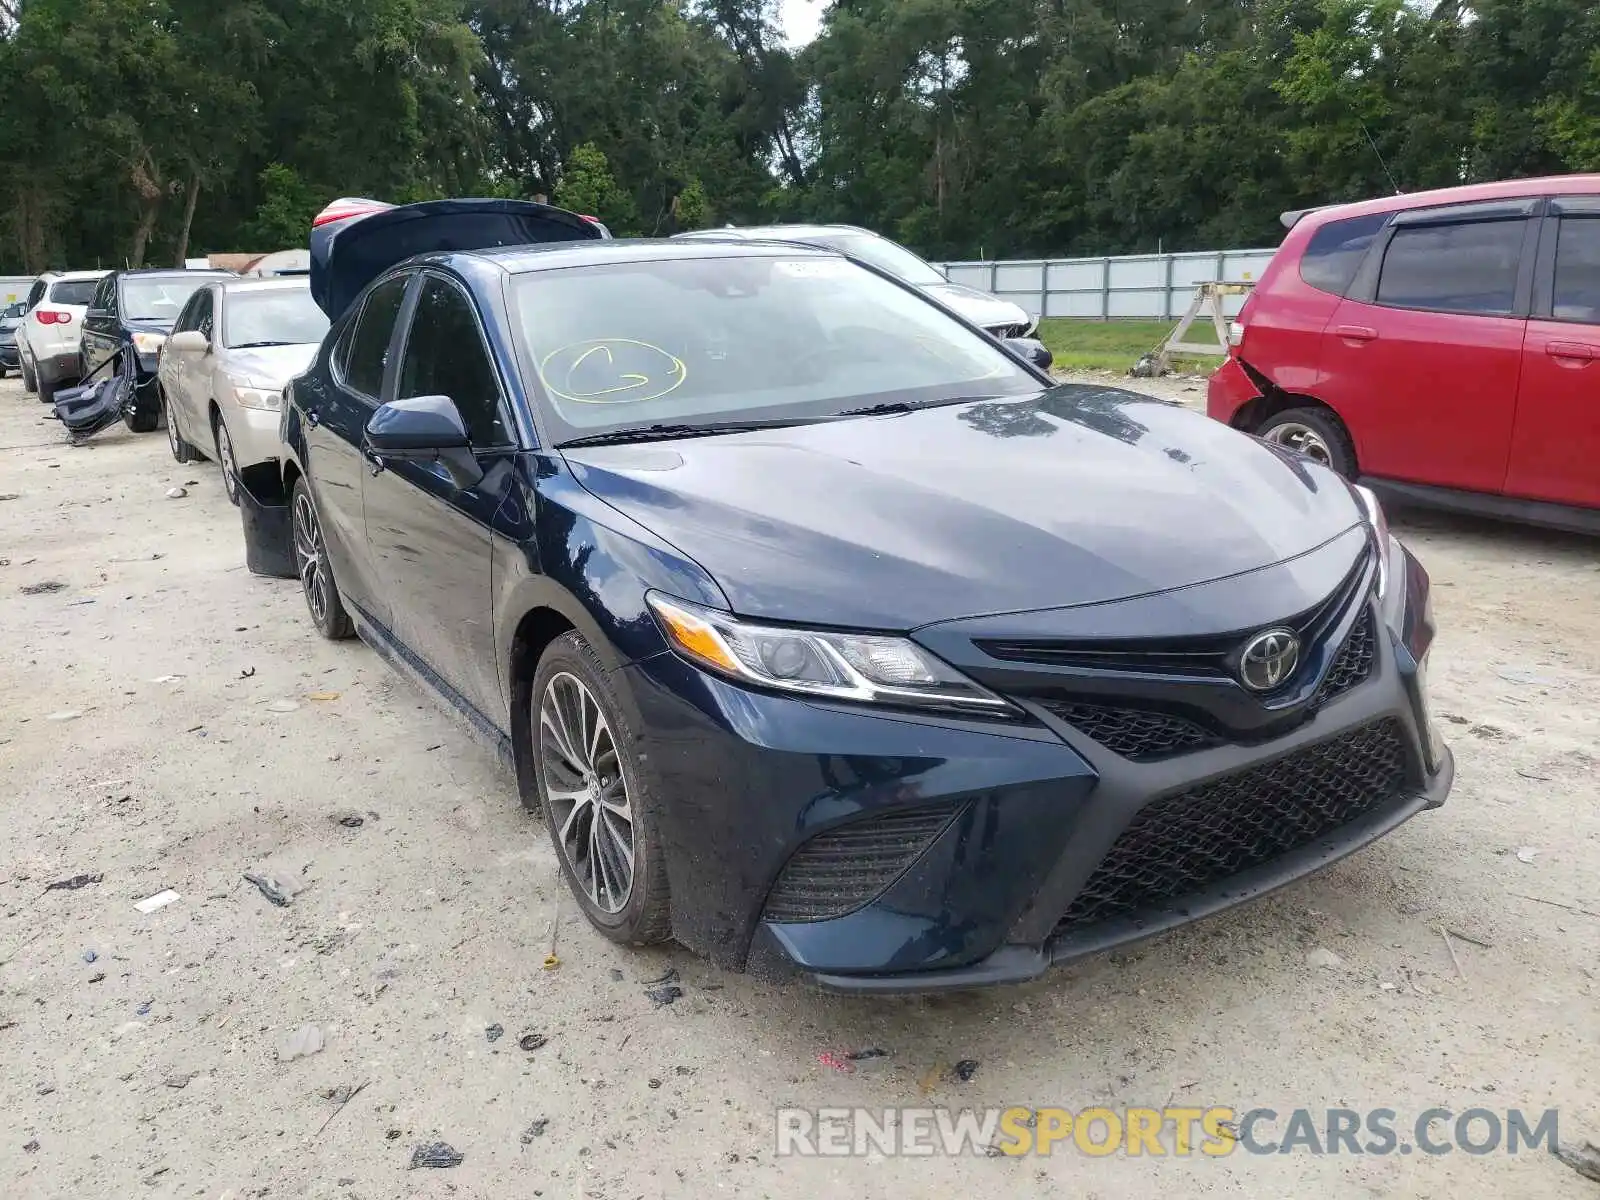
(50, 339)
(223, 369)
(1000, 317)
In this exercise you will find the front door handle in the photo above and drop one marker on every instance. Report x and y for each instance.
(1571, 351)
(1357, 333)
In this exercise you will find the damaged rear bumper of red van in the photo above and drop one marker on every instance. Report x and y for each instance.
(1230, 389)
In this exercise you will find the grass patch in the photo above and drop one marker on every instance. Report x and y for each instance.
(1115, 345)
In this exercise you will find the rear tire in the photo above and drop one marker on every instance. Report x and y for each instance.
(182, 451)
(1316, 433)
(596, 804)
(316, 572)
(28, 381)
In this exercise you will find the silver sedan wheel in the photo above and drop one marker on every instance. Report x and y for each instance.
(586, 796)
(230, 469)
(172, 425)
(1302, 439)
(310, 557)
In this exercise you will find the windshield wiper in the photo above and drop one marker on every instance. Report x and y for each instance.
(658, 433)
(890, 408)
(258, 345)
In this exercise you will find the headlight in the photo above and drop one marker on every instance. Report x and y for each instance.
(148, 343)
(841, 666)
(250, 396)
(1379, 524)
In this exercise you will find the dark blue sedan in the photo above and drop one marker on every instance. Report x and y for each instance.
(822, 628)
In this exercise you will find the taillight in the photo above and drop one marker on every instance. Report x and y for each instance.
(1236, 333)
(49, 316)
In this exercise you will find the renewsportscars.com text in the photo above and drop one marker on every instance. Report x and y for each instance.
(1181, 1132)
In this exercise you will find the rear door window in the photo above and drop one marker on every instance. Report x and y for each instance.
(1467, 268)
(1335, 252)
(367, 354)
(1577, 295)
(445, 356)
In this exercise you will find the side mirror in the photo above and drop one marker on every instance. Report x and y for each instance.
(1033, 350)
(190, 340)
(422, 429)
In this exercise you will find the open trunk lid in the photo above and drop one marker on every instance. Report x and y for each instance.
(354, 241)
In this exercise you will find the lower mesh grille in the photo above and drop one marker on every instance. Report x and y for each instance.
(1134, 733)
(839, 871)
(1354, 663)
(1183, 842)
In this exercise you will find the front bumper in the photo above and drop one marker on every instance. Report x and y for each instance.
(9, 355)
(749, 784)
(255, 435)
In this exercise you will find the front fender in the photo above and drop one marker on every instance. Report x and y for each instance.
(558, 547)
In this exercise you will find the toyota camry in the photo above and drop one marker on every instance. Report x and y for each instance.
(824, 629)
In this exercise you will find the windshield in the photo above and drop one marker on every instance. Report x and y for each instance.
(881, 253)
(158, 299)
(273, 317)
(710, 340)
(73, 291)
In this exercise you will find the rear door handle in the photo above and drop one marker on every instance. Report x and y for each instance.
(313, 417)
(1357, 333)
(1573, 351)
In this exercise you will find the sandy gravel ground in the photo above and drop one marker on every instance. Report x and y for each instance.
(215, 734)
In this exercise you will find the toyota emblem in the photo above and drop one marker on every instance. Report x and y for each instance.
(1269, 659)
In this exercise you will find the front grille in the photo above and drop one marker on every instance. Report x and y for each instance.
(1136, 734)
(1353, 664)
(1207, 656)
(1183, 842)
(837, 872)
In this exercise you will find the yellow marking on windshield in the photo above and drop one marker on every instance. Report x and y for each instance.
(625, 386)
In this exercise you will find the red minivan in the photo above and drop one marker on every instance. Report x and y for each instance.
(1443, 345)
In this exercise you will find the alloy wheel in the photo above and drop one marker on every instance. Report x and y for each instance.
(1302, 439)
(311, 557)
(586, 795)
(230, 469)
(174, 441)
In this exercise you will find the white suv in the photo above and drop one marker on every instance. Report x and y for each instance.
(50, 338)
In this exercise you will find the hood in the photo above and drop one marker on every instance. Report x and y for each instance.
(1079, 495)
(978, 307)
(355, 241)
(269, 366)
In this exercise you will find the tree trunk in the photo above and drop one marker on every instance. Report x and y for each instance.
(189, 200)
(141, 234)
(150, 187)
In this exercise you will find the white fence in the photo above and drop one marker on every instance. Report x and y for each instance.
(1152, 286)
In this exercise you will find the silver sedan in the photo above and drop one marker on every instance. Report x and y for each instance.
(223, 370)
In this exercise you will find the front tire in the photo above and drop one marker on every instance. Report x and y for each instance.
(316, 572)
(596, 804)
(182, 451)
(1317, 434)
(225, 459)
